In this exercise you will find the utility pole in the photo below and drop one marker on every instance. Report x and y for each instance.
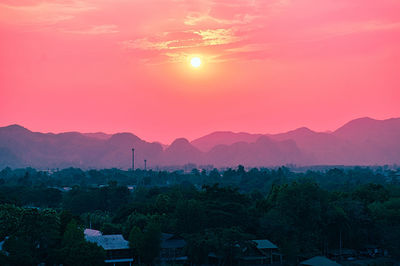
(340, 244)
(145, 164)
(133, 159)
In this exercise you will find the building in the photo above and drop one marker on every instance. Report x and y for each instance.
(319, 261)
(260, 252)
(116, 247)
(92, 232)
(342, 254)
(172, 249)
(269, 249)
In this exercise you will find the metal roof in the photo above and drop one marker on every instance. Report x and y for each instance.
(319, 261)
(109, 242)
(172, 241)
(92, 232)
(265, 244)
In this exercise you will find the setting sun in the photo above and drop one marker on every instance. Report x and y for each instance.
(195, 62)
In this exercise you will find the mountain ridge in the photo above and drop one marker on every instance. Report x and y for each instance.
(360, 141)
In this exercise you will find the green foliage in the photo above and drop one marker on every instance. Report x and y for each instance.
(33, 237)
(295, 216)
(111, 229)
(386, 216)
(146, 244)
(303, 212)
(73, 234)
(109, 198)
(20, 252)
(370, 193)
(135, 237)
(190, 216)
(96, 219)
(136, 220)
(10, 218)
(32, 233)
(76, 251)
(82, 253)
(163, 203)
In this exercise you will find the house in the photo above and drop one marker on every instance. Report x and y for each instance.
(260, 252)
(342, 254)
(319, 261)
(374, 251)
(251, 255)
(172, 249)
(92, 232)
(116, 247)
(269, 249)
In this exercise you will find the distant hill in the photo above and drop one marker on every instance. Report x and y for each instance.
(321, 148)
(72, 149)
(363, 129)
(263, 152)
(374, 141)
(97, 135)
(207, 142)
(182, 152)
(363, 141)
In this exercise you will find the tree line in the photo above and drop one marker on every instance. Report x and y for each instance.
(305, 213)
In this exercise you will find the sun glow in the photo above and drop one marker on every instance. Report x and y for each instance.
(195, 62)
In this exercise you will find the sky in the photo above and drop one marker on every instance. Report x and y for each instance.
(268, 66)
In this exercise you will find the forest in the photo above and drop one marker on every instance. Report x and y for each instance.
(305, 212)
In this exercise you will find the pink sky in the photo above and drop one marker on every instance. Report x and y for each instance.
(268, 65)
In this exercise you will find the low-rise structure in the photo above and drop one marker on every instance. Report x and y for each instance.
(319, 261)
(261, 252)
(116, 247)
(172, 249)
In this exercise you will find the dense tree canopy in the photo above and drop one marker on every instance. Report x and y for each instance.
(305, 213)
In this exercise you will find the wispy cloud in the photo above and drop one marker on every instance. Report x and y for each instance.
(217, 36)
(193, 38)
(210, 25)
(346, 28)
(96, 30)
(198, 18)
(228, 29)
(42, 12)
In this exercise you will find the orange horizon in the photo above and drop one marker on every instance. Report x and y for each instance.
(266, 66)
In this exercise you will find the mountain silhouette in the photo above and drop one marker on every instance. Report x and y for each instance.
(263, 152)
(362, 141)
(375, 141)
(181, 152)
(206, 143)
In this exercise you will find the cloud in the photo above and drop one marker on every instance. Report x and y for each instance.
(96, 30)
(228, 29)
(346, 28)
(197, 18)
(42, 12)
(211, 27)
(217, 36)
(148, 44)
(184, 40)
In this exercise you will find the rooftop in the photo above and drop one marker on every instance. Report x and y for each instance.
(265, 244)
(92, 232)
(172, 241)
(319, 261)
(109, 242)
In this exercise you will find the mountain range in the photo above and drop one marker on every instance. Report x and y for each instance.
(363, 141)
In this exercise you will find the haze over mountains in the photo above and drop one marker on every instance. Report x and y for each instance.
(363, 141)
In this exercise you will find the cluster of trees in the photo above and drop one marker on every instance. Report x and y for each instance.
(246, 180)
(34, 236)
(305, 213)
